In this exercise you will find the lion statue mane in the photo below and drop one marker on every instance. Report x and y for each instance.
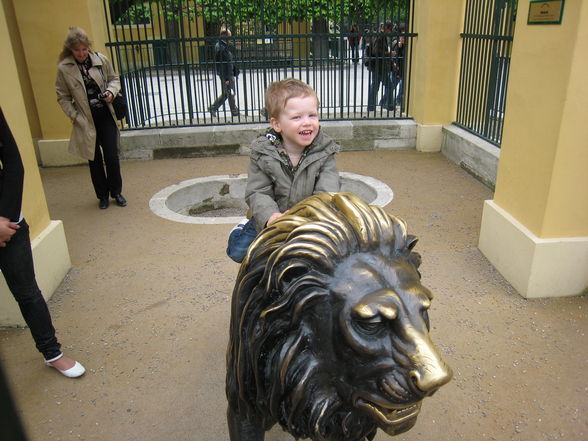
(329, 331)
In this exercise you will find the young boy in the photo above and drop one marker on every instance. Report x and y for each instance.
(292, 161)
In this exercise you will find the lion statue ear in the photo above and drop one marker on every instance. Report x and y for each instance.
(411, 241)
(413, 257)
(286, 274)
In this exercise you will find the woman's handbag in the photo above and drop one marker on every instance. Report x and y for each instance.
(119, 103)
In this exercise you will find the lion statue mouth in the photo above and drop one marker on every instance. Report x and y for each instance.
(392, 420)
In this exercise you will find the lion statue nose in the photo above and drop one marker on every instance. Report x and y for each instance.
(430, 372)
(428, 381)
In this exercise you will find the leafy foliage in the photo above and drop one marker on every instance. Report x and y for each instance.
(267, 12)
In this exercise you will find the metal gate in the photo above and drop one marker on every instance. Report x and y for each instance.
(164, 53)
(485, 60)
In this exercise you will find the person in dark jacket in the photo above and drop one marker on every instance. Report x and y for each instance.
(354, 39)
(392, 97)
(292, 161)
(379, 66)
(16, 258)
(227, 71)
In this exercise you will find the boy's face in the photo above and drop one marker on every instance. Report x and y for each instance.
(298, 122)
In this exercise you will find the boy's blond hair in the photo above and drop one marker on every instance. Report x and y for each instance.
(279, 92)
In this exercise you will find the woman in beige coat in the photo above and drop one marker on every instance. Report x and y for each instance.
(86, 84)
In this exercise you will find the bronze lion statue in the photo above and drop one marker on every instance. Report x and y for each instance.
(329, 333)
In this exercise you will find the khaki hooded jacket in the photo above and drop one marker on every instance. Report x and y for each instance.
(272, 187)
(72, 97)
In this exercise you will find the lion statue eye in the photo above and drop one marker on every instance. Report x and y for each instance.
(371, 325)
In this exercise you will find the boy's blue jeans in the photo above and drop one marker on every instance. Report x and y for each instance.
(239, 241)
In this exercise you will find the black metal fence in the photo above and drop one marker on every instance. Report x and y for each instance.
(163, 50)
(485, 60)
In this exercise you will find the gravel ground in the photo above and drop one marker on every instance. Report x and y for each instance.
(145, 308)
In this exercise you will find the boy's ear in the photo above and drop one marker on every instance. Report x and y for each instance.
(275, 124)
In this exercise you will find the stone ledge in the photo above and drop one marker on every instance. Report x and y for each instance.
(236, 139)
(189, 142)
(472, 153)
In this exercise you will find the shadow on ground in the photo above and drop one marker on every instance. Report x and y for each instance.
(145, 308)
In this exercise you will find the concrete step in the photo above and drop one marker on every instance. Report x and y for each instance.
(236, 139)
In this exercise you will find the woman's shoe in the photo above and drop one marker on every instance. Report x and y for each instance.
(120, 200)
(77, 370)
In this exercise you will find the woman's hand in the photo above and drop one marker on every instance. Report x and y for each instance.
(7, 230)
(109, 97)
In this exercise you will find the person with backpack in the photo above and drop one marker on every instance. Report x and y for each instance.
(227, 71)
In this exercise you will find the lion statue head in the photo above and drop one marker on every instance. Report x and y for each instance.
(329, 333)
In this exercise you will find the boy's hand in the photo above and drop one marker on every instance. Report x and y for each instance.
(275, 217)
(7, 230)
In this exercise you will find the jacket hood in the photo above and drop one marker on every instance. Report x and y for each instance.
(266, 144)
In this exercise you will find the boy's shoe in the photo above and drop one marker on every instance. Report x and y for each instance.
(240, 225)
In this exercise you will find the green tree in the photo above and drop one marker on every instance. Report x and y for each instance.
(265, 15)
(269, 12)
(273, 12)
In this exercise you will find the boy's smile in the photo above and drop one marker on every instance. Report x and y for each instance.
(298, 123)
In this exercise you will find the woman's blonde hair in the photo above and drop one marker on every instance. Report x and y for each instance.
(74, 37)
(279, 92)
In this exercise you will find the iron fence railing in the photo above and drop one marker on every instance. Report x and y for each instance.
(167, 66)
(485, 61)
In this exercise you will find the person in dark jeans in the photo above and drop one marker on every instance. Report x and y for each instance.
(227, 71)
(391, 97)
(16, 258)
(379, 67)
(86, 84)
(354, 38)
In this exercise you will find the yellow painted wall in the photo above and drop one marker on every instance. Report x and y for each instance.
(13, 106)
(43, 28)
(23, 71)
(542, 179)
(436, 60)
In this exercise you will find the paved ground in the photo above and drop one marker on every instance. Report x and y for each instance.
(145, 308)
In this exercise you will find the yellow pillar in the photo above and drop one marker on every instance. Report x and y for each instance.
(43, 26)
(535, 231)
(435, 70)
(47, 237)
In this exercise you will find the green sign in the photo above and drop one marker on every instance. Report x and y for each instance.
(545, 12)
